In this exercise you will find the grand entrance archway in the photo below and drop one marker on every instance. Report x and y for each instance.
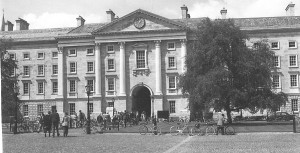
(141, 100)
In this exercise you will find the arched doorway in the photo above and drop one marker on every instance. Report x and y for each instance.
(141, 100)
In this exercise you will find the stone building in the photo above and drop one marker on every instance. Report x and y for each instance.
(132, 62)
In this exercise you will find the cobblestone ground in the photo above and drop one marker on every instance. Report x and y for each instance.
(131, 143)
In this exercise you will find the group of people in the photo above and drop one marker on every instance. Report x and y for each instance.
(51, 121)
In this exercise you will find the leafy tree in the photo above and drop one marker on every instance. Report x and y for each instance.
(9, 84)
(223, 73)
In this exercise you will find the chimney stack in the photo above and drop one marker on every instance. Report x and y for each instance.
(22, 24)
(9, 26)
(184, 12)
(110, 15)
(223, 13)
(80, 21)
(290, 9)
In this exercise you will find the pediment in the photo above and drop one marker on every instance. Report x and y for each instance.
(137, 21)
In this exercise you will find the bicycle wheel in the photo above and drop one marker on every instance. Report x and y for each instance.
(143, 129)
(156, 129)
(195, 131)
(229, 130)
(210, 130)
(21, 129)
(173, 130)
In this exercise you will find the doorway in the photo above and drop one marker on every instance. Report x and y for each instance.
(141, 100)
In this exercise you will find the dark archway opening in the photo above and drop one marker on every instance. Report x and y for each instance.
(141, 100)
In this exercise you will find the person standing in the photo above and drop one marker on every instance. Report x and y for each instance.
(41, 122)
(65, 124)
(55, 121)
(81, 118)
(75, 120)
(220, 124)
(47, 124)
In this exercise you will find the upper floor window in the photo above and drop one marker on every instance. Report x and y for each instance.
(26, 88)
(54, 54)
(292, 44)
(275, 45)
(90, 51)
(294, 80)
(54, 87)
(293, 61)
(171, 62)
(110, 64)
(140, 59)
(72, 86)
(73, 67)
(295, 105)
(110, 48)
(26, 56)
(25, 110)
(91, 107)
(91, 84)
(72, 52)
(54, 69)
(90, 67)
(110, 86)
(26, 70)
(171, 46)
(276, 81)
(172, 82)
(276, 61)
(12, 56)
(40, 70)
(40, 56)
(40, 87)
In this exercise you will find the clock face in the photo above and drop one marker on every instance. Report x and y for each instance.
(139, 23)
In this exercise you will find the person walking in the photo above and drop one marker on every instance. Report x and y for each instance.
(65, 124)
(55, 121)
(220, 124)
(47, 124)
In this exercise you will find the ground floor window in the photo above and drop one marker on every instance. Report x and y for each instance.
(91, 107)
(295, 105)
(40, 110)
(25, 110)
(172, 106)
(72, 108)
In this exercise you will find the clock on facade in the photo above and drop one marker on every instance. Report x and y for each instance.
(139, 23)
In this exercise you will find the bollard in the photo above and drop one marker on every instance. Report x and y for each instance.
(294, 124)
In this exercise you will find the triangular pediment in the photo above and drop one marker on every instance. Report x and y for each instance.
(139, 20)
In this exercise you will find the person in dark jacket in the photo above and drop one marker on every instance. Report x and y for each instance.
(47, 124)
(55, 122)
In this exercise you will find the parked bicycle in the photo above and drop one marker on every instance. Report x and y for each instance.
(179, 129)
(144, 129)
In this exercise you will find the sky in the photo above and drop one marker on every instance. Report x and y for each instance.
(63, 13)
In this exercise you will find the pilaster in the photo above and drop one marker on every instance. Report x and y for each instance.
(122, 69)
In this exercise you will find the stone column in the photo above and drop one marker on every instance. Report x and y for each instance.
(60, 77)
(122, 70)
(183, 55)
(158, 82)
(97, 70)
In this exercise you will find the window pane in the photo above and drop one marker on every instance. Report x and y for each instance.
(293, 61)
(276, 81)
(276, 61)
(111, 84)
(72, 86)
(40, 55)
(294, 104)
(26, 70)
(140, 59)
(72, 67)
(72, 108)
(171, 45)
(294, 81)
(91, 84)
(54, 87)
(171, 62)
(26, 88)
(172, 106)
(172, 84)
(54, 54)
(292, 44)
(55, 69)
(90, 51)
(40, 110)
(110, 48)
(90, 67)
(91, 107)
(41, 87)
(41, 70)
(25, 110)
(111, 65)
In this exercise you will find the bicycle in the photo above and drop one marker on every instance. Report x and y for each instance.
(198, 130)
(179, 129)
(144, 129)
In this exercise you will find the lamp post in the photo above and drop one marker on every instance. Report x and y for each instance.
(16, 110)
(113, 102)
(152, 99)
(88, 92)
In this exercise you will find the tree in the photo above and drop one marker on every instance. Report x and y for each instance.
(223, 73)
(9, 84)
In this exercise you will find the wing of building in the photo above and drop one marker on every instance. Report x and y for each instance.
(132, 62)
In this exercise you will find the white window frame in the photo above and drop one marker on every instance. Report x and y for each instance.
(75, 52)
(26, 73)
(171, 90)
(146, 58)
(174, 48)
(39, 88)
(296, 45)
(114, 64)
(40, 109)
(54, 70)
(90, 54)
(40, 53)
(28, 88)
(297, 80)
(75, 86)
(26, 58)
(75, 67)
(170, 106)
(93, 67)
(25, 110)
(294, 105)
(296, 57)
(275, 48)
(279, 81)
(108, 91)
(54, 89)
(54, 53)
(108, 47)
(278, 61)
(72, 107)
(93, 84)
(41, 73)
(175, 62)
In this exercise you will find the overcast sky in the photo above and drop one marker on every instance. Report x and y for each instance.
(63, 13)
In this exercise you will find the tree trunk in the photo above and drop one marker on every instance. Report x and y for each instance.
(228, 111)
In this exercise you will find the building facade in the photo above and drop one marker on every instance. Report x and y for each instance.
(132, 63)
